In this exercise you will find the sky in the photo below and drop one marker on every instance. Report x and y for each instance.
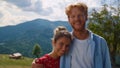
(13, 12)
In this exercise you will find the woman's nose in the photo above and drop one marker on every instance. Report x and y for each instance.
(63, 48)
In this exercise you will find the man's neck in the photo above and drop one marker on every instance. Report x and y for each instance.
(84, 34)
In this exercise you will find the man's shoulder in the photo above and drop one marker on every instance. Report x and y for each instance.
(97, 36)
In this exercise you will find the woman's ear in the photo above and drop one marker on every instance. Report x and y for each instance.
(53, 43)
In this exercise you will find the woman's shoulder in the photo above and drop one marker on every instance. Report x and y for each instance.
(42, 59)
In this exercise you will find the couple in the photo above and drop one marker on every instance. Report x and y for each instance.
(87, 50)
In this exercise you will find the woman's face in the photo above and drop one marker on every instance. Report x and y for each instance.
(61, 46)
(77, 19)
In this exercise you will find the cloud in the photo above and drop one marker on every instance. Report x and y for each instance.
(31, 5)
(17, 11)
(20, 3)
(12, 15)
(38, 8)
(1, 15)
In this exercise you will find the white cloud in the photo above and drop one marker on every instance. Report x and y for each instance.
(17, 11)
(31, 5)
(20, 3)
(11, 15)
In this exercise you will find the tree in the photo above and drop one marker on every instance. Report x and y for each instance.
(107, 24)
(36, 50)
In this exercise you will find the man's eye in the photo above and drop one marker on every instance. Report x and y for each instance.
(80, 16)
(72, 16)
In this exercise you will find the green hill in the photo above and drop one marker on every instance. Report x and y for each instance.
(5, 62)
(22, 37)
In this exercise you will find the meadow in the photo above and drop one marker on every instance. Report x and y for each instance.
(5, 62)
(24, 62)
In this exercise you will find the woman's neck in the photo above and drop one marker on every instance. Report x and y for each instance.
(54, 55)
(84, 34)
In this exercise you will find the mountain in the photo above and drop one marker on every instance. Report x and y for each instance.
(22, 37)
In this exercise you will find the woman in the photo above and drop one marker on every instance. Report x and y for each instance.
(60, 42)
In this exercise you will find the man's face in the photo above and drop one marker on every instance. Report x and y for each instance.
(77, 19)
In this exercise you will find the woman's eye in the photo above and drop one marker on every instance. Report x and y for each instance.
(61, 44)
(67, 45)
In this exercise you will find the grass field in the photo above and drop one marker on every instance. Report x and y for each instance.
(5, 62)
(25, 62)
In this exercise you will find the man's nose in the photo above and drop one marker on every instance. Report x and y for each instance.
(77, 18)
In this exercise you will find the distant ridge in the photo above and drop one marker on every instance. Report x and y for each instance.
(22, 37)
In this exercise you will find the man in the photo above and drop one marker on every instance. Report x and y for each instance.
(87, 50)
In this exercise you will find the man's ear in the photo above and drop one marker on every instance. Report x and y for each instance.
(69, 20)
(86, 17)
